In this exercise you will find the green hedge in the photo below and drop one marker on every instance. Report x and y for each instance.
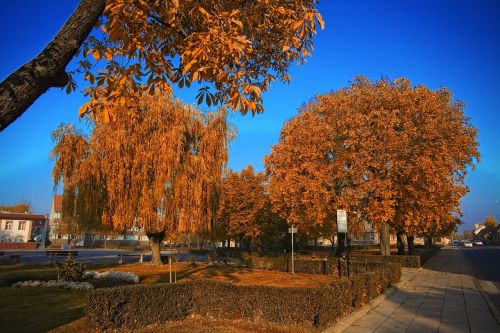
(405, 261)
(138, 306)
(426, 254)
(414, 261)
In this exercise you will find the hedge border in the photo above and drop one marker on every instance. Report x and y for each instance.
(138, 306)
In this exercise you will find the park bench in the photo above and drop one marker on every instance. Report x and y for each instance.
(320, 255)
(213, 258)
(138, 255)
(13, 258)
(60, 253)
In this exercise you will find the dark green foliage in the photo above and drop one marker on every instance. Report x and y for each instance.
(138, 306)
(426, 254)
(415, 261)
(70, 270)
(405, 261)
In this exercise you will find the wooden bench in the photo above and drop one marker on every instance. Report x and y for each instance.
(60, 253)
(139, 255)
(320, 255)
(213, 258)
(13, 258)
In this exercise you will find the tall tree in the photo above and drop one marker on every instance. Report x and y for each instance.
(395, 154)
(158, 170)
(236, 48)
(245, 211)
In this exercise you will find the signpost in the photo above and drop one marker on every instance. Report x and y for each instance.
(342, 228)
(292, 230)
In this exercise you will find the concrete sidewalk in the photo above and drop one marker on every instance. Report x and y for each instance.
(444, 296)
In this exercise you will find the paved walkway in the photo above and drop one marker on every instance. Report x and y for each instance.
(442, 297)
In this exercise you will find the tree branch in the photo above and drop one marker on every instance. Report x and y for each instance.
(48, 69)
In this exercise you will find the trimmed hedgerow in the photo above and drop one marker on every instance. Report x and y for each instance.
(405, 261)
(414, 261)
(137, 306)
(426, 254)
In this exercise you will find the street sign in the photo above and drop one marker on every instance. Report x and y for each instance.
(292, 230)
(341, 221)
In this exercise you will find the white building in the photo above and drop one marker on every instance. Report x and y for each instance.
(21, 228)
(55, 217)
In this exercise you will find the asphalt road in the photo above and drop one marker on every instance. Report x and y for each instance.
(485, 262)
(100, 256)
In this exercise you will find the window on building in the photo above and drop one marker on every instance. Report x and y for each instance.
(372, 236)
(8, 225)
(22, 225)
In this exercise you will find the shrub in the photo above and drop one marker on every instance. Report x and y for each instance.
(71, 270)
(137, 306)
(405, 261)
(426, 254)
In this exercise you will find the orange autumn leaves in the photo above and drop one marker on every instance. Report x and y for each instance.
(385, 151)
(158, 170)
(233, 49)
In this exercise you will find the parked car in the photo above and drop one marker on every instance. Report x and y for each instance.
(478, 243)
(467, 244)
(456, 243)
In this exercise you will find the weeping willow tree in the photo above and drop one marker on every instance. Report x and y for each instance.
(158, 169)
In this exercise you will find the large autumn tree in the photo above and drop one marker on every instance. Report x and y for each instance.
(392, 154)
(245, 210)
(158, 170)
(233, 49)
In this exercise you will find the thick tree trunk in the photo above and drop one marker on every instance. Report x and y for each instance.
(428, 241)
(155, 239)
(385, 240)
(400, 243)
(48, 69)
(411, 244)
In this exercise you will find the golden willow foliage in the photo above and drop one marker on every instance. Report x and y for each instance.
(385, 151)
(158, 170)
(233, 49)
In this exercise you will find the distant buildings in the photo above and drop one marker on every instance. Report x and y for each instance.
(21, 227)
(55, 217)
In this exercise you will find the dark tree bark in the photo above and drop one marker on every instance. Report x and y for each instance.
(411, 244)
(48, 69)
(400, 243)
(428, 241)
(155, 239)
(385, 240)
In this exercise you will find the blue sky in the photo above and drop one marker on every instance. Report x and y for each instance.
(448, 43)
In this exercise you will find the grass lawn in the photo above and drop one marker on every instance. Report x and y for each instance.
(150, 274)
(39, 309)
(61, 310)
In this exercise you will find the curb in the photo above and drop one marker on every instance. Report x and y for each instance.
(486, 297)
(358, 314)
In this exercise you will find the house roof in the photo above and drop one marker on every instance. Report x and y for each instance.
(21, 216)
(58, 203)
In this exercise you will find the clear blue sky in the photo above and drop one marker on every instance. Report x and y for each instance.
(436, 43)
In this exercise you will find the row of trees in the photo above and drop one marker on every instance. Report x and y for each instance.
(391, 154)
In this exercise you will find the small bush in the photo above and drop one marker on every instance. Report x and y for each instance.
(71, 270)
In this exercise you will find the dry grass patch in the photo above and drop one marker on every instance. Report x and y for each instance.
(151, 274)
